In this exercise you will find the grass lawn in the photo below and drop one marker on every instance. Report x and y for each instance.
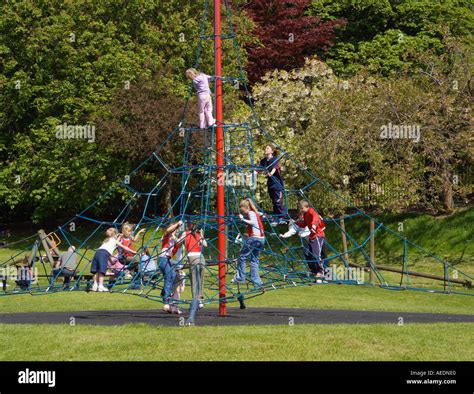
(318, 296)
(439, 341)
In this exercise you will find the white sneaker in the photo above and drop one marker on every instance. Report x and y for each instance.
(102, 289)
(95, 287)
(240, 282)
(177, 311)
(201, 305)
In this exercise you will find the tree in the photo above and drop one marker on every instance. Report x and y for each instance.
(61, 63)
(335, 128)
(286, 36)
(380, 33)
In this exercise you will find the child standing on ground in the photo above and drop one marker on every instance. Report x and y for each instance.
(102, 256)
(254, 244)
(275, 186)
(201, 84)
(315, 253)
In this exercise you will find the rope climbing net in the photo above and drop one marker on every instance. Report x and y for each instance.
(190, 188)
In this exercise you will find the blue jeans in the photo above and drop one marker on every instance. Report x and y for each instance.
(169, 274)
(251, 250)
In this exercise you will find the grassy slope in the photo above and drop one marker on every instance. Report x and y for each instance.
(303, 342)
(450, 236)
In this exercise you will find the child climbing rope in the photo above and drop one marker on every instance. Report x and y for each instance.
(254, 244)
(293, 229)
(201, 84)
(179, 283)
(194, 242)
(275, 185)
(127, 239)
(102, 256)
(315, 253)
(168, 241)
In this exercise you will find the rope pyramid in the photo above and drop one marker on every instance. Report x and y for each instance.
(282, 262)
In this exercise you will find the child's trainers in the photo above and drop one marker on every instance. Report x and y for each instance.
(235, 280)
(177, 311)
(95, 287)
(102, 289)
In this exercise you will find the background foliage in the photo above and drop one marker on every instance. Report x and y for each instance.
(121, 67)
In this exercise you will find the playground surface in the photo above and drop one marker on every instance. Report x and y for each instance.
(235, 316)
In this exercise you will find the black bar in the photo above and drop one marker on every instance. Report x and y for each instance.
(240, 377)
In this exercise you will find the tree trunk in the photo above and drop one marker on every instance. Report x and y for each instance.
(448, 200)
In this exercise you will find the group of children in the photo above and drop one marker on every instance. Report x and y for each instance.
(309, 225)
(126, 262)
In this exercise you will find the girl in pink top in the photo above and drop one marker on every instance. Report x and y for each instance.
(201, 84)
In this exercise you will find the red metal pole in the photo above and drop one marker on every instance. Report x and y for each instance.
(221, 240)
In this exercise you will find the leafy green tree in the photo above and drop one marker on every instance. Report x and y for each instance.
(380, 33)
(334, 127)
(61, 63)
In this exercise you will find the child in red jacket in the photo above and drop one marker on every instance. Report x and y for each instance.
(315, 252)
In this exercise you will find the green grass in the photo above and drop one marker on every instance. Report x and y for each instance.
(318, 296)
(439, 341)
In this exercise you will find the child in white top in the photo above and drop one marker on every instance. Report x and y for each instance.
(102, 256)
